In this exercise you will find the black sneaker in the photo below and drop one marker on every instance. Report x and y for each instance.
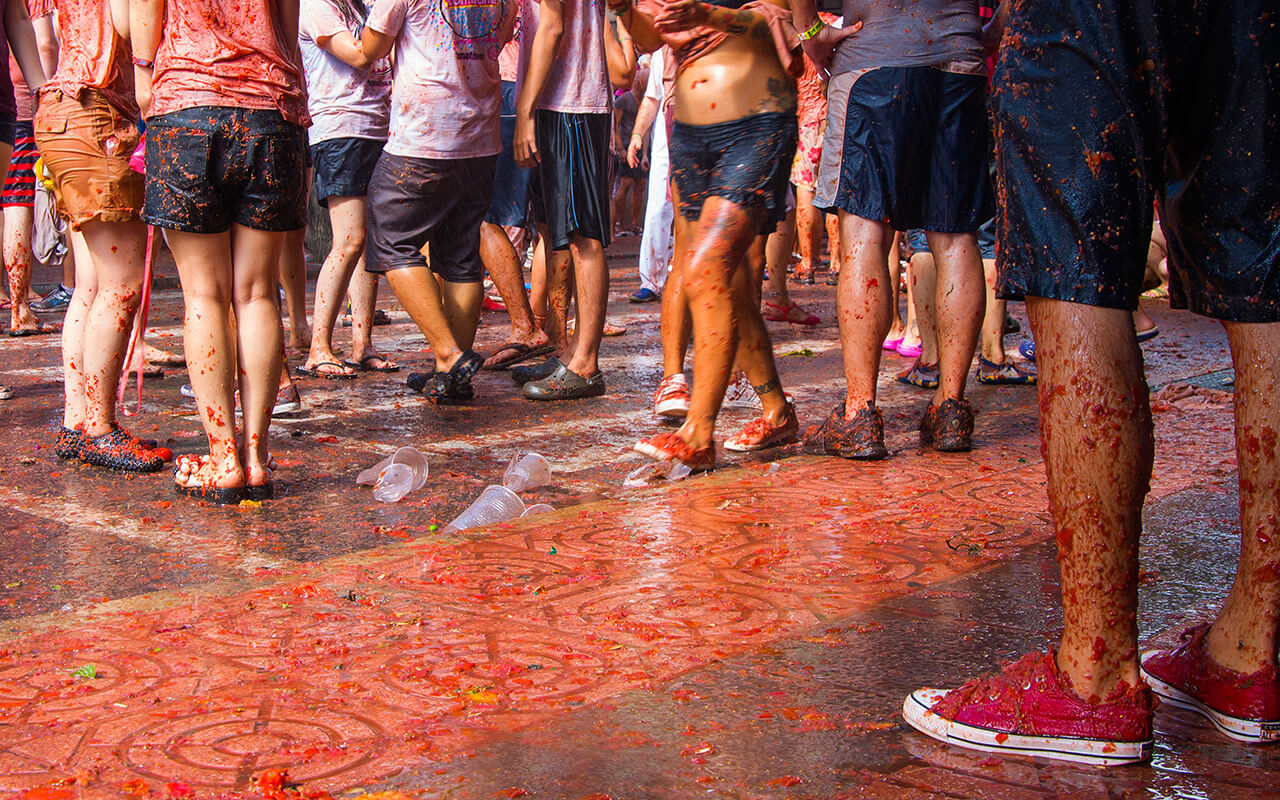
(57, 300)
(119, 451)
(860, 438)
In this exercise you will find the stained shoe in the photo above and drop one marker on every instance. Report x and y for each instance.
(671, 399)
(120, 451)
(57, 300)
(564, 384)
(644, 295)
(741, 394)
(759, 434)
(68, 442)
(1006, 374)
(859, 438)
(535, 372)
(1244, 707)
(1029, 708)
(921, 375)
(448, 387)
(669, 447)
(1027, 349)
(948, 427)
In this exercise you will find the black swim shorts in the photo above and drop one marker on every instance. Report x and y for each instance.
(746, 161)
(570, 188)
(343, 167)
(1102, 108)
(210, 166)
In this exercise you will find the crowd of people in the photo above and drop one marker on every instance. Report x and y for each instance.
(446, 140)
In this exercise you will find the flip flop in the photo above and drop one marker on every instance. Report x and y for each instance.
(1149, 333)
(786, 314)
(41, 328)
(363, 364)
(520, 352)
(315, 372)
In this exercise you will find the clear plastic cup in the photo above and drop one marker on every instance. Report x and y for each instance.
(495, 504)
(393, 483)
(645, 474)
(537, 508)
(410, 457)
(528, 472)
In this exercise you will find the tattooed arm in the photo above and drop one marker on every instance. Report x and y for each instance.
(684, 14)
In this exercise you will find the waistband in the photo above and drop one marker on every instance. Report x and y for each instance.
(765, 119)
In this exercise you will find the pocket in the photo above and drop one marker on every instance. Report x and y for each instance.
(49, 119)
(178, 157)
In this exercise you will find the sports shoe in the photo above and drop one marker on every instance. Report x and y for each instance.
(859, 438)
(120, 451)
(948, 427)
(1027, 349)
(760, 435)
(741, 394)
(57, 300)
(67, 442)
(645, 295)
(1029, 708)
(1244, 707)
(921, 375)
(669, 447)
(671, 399)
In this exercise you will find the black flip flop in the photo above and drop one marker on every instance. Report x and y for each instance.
(314, 372)
(216, 495)
(39, 330)
(520, 352)
(363, 364)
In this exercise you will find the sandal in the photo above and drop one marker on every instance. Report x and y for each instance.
(364, 364)
(442, 388)
(921, 376)
(760, 435)
(792, 313)
(669, 447)
(217, 495)
(1006, 374)
(120, 451)
(319, 371)
(40, 329)
(519, 351)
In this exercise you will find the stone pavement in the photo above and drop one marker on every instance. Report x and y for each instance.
(747, 634)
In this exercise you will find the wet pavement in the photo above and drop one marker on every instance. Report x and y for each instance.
(747, 634)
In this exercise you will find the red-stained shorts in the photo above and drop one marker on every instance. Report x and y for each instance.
(86, 143)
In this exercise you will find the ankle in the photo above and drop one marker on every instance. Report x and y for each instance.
(1239, 653)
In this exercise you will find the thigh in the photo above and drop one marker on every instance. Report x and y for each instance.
(204, 264)
(455, 240)
(118, 249)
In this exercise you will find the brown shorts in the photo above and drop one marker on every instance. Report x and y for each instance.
(86, 143)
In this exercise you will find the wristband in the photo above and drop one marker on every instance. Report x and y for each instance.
(812, 32)
(142, 62)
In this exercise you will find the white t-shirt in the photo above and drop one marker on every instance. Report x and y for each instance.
(344, 102)
(446, 93)
(579, 78)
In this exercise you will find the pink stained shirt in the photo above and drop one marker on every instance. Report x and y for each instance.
(344, 102)
(21, 93)
(579, 78)
(91, 55)
(228, 54)
(446, 93)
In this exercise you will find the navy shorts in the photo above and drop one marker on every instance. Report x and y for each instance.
(908, 146)
(746, 161)
(8, 128)
(343, 167)
(428, 201)
(510, 202)
(210, 166)
(919, 243)
(570, 188)
(1105, 109)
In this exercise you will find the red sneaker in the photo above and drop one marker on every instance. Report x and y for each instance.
(672, 397)
(1244, 707)
(1029, 708)
(760, 435)
(669, 447)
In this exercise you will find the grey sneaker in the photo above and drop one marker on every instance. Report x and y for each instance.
(57, 300)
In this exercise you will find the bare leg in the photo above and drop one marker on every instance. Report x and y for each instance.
(591, 276)
(676, 324)
(363, 291)
(462, 303)
(1096, 435)
(346, 215)
(922, 284)
(17, 262)
(960, 300)
(503, 264)
(863, 297)
(777, 254)
(418, 291)
(293, 277)
(993, 320)
(809, 226)
(73, 334)
(116, 252)
(899, 328)
(259, 339)
(725, 230)
(754, 355)
(540, 292)
(1244, 637)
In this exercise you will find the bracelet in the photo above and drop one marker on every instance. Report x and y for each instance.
(812, 32)
(142, 62)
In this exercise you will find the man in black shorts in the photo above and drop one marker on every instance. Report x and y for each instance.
(1099, 108)
(905, 148)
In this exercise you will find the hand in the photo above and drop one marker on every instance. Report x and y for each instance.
(633, 151)
(820, 47)
(619, 7)
(525, 143)
(681, 16)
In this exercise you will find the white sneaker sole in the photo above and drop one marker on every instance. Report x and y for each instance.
(675, 407)
(916, 711)
(1250, 731)
(644, 448)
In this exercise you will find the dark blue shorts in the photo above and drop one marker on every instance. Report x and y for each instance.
(210, 166)
(343, 167)
(919, 243)
(746, 161)
(1105, 109)
(510, 202)
(908, 146)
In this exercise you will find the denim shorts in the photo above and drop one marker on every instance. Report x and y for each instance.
(210, 166)
(510, 202)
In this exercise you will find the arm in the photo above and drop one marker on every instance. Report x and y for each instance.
(644, 121)
(22, 40)
(620, 55)
(346, 48)
(289, 23)
(47, 41)
(994, 30)
(639, 24)
(546, 43)
(685, 14)
(374, 45)
(819, 48)
(146, 28)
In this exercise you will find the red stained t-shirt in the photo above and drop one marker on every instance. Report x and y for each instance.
(228, 54)
(91, 54)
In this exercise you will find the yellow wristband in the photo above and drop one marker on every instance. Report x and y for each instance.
(812, 32)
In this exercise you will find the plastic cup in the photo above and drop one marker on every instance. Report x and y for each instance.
(393, 484)
(528, 472)
(537, 508)
(411, 457)
(495, 504)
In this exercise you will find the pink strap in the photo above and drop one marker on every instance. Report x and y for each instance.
(143, 311)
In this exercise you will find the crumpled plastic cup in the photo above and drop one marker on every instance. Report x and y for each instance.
(495, 504)
(525, 473)
(393, 484)
(537, 508)
(647, 473)
(409, 457)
